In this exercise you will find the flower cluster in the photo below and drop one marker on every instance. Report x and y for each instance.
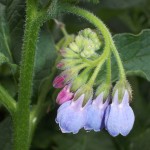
(78, 108)
(117, 118)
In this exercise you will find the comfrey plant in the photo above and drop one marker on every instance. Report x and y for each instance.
(78, 110)
(89, 98)
(80, 65)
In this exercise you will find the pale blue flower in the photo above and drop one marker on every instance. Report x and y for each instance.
(71, 116)
(119, 117)
(95, 114)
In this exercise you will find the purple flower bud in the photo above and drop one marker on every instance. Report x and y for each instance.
(95, 114)
(64, 95)
(119, 117)
(71, 116)
(59, 81)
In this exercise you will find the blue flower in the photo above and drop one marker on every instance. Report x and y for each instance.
(71, 116)
(95, 114)
(119, 117)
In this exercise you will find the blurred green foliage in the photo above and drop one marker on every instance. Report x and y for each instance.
(121, 16)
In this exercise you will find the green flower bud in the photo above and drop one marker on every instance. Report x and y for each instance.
(68, 63)
(73, 46)
(88, 33)
(67, 53)
(80, 80)
(79, 40)
(85, 32)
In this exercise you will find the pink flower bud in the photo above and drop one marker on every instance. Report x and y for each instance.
(60, 65)
(64, 95)
(59, 81)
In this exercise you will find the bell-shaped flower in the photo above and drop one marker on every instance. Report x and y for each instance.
(119, 117)
(95, 114)
(64, 95)
(71, 116)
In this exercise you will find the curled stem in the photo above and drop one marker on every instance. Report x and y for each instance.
(102, 28)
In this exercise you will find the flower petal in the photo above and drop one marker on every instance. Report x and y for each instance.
(112, 120)
(94, 118)
(72, 121)
(125, 100)
(126, 120)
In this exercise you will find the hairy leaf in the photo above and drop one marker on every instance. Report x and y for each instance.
(135, 53)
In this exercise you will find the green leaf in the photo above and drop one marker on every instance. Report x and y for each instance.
(4, 34)
(6, 68)
(45, 54)
(6, 134)
(15, 15)
(135, 53)
(121, 4)
(3, 2)
(84, 141)
(45, 58)
(141, 141)
(77, 1)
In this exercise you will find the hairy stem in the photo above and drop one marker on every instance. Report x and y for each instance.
(119, 62)
(22, 117)
(108, 77)
(102, 28)
(105, 33)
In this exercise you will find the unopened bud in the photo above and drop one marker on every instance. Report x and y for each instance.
(64, 95)
(80, 80)
(67, 53)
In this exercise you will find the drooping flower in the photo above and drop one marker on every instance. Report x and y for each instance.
(95, 114)
(71, 116)
(119, 117)
(64, 95)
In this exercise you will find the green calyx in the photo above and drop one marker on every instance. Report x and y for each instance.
(103, 88)
(87, 91)
(121, 86)
(80, 80)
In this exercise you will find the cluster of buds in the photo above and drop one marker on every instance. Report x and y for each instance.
(78, 108)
